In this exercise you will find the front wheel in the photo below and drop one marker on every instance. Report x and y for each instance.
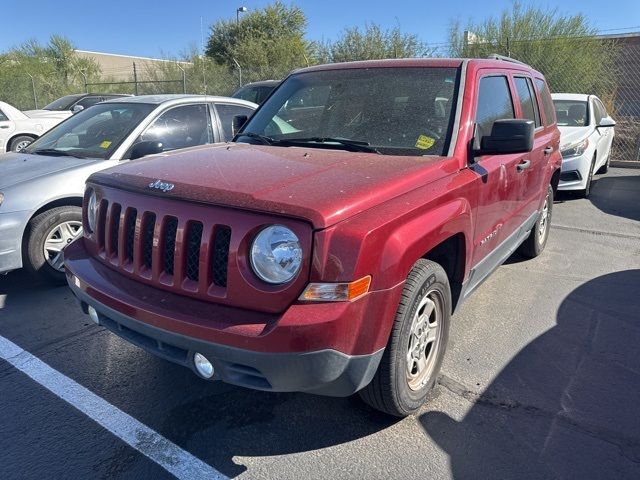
(537, 239)
(48, 233)
(412, 359)
(20, 143)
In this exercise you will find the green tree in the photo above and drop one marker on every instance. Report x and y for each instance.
(563, 47)
(266, 43)
(53, 69)
(371, 43)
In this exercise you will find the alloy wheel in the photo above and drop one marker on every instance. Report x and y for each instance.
(59, 237)
(424, 341)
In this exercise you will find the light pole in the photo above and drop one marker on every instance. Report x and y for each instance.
(240, 10)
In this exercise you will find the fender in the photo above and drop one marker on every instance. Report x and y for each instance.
(391, 245)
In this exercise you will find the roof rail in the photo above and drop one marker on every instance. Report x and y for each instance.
(495, 56)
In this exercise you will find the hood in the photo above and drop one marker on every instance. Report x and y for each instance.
(21, 167)
(319, 185)
(47, 114)
(569, 135)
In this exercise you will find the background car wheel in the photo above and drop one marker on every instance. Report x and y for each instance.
(19, 143)
(47, 234)
(587, 191)
(537, 239)
(412, 359)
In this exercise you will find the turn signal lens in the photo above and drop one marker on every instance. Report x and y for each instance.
(336, 292)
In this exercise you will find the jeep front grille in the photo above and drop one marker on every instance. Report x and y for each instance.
(163, 249)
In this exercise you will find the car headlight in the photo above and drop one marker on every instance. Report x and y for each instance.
(92, 210)
(574, 149)
(276, 254)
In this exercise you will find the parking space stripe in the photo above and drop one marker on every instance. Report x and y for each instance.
(145, 440)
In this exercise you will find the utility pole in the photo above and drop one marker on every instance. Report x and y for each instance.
(84, 76)
(135, 78)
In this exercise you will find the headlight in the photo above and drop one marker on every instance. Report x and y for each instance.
(574, 149)
(276, 254)
(92, 208)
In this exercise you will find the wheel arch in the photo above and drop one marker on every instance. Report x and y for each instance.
(21, 134)
(74, 201)
(451, 255)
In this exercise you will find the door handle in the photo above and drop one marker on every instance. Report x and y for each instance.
(548, 150)
(523, 165)
(4, 126)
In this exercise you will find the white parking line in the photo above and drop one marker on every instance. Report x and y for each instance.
(145, 440)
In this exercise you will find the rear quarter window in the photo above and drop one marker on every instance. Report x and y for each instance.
(547, 103)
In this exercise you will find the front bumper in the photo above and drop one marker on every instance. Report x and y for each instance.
(575, 171)
(329, 349)
(11, 227)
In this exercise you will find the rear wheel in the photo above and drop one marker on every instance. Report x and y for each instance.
(48, 233)
(20, 143)
(537, 239)
(412, 359)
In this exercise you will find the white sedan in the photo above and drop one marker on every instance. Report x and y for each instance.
(18, 130)
(586, 134)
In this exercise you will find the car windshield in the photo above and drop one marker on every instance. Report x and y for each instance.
(63, 103)
(253, 93)
(572, 113)
(93, 133)
(392, 111)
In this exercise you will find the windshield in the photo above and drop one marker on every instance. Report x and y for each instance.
(572, 113)
(92, 133)
(63, 103)
(393, 111)
(255, 94)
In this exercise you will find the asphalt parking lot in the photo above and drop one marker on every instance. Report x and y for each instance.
(541, 380)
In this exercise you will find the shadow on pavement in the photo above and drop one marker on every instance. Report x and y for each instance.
(567, 405)
(618, 195)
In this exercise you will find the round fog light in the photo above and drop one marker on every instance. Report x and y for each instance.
(93, 314)
(203, 366)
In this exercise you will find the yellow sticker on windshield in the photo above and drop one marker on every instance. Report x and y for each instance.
(424, 142)
(105, 144)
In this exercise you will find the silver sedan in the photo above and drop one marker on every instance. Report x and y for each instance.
(42, 187)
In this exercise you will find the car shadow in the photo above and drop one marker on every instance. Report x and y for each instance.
(567, 405)
(618, 195)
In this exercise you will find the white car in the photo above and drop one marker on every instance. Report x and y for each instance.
(586, 134)
(17, 130)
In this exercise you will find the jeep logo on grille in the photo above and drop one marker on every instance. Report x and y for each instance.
(160, 185)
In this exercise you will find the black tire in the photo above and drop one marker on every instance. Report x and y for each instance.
(18, 143)
(389, 391)
(587, 191)
(33, 256)
(535, 242)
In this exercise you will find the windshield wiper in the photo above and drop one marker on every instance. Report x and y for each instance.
(56, 152)
(263, 138)
(355, 145)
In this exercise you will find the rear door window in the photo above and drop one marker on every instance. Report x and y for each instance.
(3, 117)
(494, 103)
(527, 100)
(547, 103)
(226, 113)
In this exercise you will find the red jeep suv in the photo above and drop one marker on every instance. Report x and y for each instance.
(325, 249)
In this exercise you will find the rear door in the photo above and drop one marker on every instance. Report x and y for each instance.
(531, 175)
(6, 129)
(499, 196)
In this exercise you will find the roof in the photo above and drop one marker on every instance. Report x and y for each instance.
(570, 96)
(179, 98)
(419, 62)
(262, 83)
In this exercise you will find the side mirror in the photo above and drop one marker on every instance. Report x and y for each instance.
(77, 108)
(607, 122)
(143, 149)
(238, 123)
(508, 136)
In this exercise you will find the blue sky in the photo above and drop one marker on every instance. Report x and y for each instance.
(168, 27)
